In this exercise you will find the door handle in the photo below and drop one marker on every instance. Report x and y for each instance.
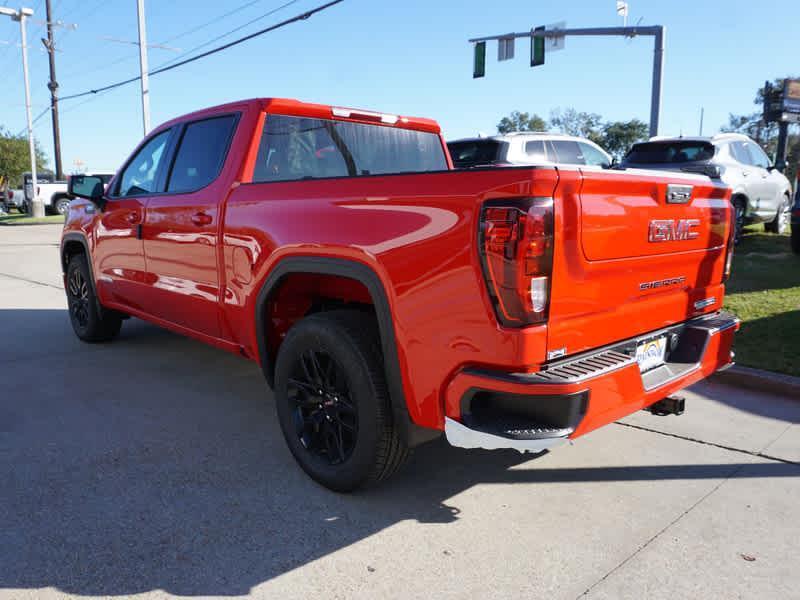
(745, 174)
(201, 219)
(132, 217)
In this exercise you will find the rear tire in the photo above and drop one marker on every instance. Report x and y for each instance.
(62, 206)
(332, 401)
(781, 222)
(90, 321)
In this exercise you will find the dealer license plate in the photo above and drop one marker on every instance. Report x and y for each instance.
(650, 354)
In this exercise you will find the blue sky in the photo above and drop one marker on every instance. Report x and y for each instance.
(409, 57)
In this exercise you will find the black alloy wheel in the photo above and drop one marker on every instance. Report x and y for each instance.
(78, 291)
(325, 416)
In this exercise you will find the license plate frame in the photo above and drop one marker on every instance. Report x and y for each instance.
(651, 353)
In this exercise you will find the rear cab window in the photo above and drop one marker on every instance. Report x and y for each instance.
(649, 153)
(297, 148)
(476, 153)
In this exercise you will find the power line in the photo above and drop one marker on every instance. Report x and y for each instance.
(130, 57)
(163, 69)
(226, 34)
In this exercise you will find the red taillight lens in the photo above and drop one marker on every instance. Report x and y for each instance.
(516, 246)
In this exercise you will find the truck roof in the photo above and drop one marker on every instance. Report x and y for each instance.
(289, 106)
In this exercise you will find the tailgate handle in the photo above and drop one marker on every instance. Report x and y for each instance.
(679, 194)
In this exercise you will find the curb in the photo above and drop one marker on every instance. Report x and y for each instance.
(756, 379)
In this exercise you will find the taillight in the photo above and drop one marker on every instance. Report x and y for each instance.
(516, 246)
(729, 248)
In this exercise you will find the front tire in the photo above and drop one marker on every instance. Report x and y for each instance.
(90, 321)
(781, 222)
(332, 401)
(739, 210)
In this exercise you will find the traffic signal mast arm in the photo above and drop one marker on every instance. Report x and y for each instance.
(537, 56)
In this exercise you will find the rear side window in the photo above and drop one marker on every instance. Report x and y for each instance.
(300, 148)
(740, 153)
(535, 150)
(474, 153)
(201, 153)
(757, 155)
(670, 152)
(568, 152)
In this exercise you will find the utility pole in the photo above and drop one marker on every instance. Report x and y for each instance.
(657, 31)
(143, 67)
(52, 85)
(21, 15)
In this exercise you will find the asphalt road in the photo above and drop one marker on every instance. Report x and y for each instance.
(155, 466)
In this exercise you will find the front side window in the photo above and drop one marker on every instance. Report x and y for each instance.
(300, 148)
(593, 156)
(568, 152)
(139, 176)
(201, 153)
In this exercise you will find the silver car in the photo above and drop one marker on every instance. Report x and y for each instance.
(526, 148)
(761, 194)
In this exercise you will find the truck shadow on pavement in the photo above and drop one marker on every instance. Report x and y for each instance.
(156, 463)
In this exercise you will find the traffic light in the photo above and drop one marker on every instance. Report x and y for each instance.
(479, 65)
(537, 48)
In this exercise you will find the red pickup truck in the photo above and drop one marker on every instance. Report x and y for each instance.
(388, 297)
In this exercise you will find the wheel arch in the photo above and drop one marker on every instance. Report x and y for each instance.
(362, 273)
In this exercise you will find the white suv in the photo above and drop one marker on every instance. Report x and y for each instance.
(526, 148)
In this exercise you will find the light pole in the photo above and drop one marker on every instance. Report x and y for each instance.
(21, 15)
(143, 67)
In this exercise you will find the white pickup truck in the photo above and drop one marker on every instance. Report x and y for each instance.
(53, 193)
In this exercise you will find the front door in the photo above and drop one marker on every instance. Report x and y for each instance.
(118, 255)
(181, 229)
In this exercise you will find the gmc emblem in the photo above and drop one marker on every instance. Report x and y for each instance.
(673, 230)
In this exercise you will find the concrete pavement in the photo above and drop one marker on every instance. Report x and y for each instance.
(155, 466)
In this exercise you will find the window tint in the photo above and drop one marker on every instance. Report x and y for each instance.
(568, 152)
(201, 154)
(535, 150)
(757, 155)
(472, 153)
(139, 176)
(300, 148)
(593, 156)
(670, 152)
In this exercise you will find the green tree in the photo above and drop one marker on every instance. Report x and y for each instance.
(521, 121)
(582, 124)
(619, 136)
(15, 158)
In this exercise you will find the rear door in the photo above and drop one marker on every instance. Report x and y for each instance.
(771, 191)
(638, 250)
(181, 228)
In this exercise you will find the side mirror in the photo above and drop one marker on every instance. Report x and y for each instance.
(89, 187)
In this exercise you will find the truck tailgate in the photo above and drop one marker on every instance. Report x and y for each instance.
(638, 251)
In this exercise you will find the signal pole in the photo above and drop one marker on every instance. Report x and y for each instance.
(52, 85)
(657, 31)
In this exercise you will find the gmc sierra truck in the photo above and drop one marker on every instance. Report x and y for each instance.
(388, 297)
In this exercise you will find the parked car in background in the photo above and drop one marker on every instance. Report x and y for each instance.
(526, 148)
(13, 199)
(54, 194)
(761, 194)
(796, 215)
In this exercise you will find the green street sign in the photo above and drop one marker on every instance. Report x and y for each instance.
(537, 48)
(479, 64)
